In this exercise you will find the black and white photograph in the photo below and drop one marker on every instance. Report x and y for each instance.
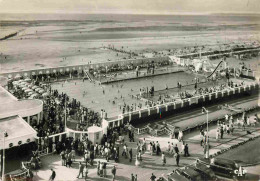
(129, 90)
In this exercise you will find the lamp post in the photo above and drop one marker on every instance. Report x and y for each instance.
(207, 136)
(65, 125)
(3, 170)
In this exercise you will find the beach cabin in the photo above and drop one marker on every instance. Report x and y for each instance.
(95, 134)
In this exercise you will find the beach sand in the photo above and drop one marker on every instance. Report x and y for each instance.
(47, 43)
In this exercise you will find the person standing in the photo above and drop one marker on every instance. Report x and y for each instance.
(144, 145)
(177, 157)
(158, 149)
(135, 177)
(201, 137)
(153, 177)
(180, 136)
(186, 150)
(163, 159)
(63, 158)
(113, 171)
(101, 169)
(53, 175)
(98, 166)
(132, 177)
(176, 149)
(169, 147)
(221, 132)
(104, 169)
(124, 151)
(130, 155)
(217, 134)
(133, 137)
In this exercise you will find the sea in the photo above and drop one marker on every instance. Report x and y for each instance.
(9, 21)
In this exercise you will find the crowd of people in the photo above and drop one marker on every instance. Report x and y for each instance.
(184, 94)
(57, 108)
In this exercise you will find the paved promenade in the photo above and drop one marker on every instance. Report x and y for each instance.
(150, 164)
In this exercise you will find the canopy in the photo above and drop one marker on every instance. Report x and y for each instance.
(17, 76)
(28, 90)
(35, 94)
(41, 91)
(22, 86)
(24, 83)
(30, 85)
(27, 80)
(25, 88)
(32, 96)
(35, 87)
(30, 93)
(45, 94)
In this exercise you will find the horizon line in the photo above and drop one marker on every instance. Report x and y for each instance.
(120, 13)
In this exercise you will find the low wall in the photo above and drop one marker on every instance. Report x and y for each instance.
(185, 103)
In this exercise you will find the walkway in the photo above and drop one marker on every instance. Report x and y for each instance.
(151, 164)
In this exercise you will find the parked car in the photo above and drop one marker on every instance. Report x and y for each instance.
(206, 172)
(174, 177)
(189, 173)
(221, 166)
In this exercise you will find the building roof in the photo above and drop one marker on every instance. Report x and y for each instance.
(17, 130)
(94, 129)
(6, 96)
(22, 108)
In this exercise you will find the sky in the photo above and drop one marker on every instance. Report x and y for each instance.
(130, 6)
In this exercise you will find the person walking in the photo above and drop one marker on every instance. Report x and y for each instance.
(113, 171)
(53, 175)
(176, 149)
(81, 169)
